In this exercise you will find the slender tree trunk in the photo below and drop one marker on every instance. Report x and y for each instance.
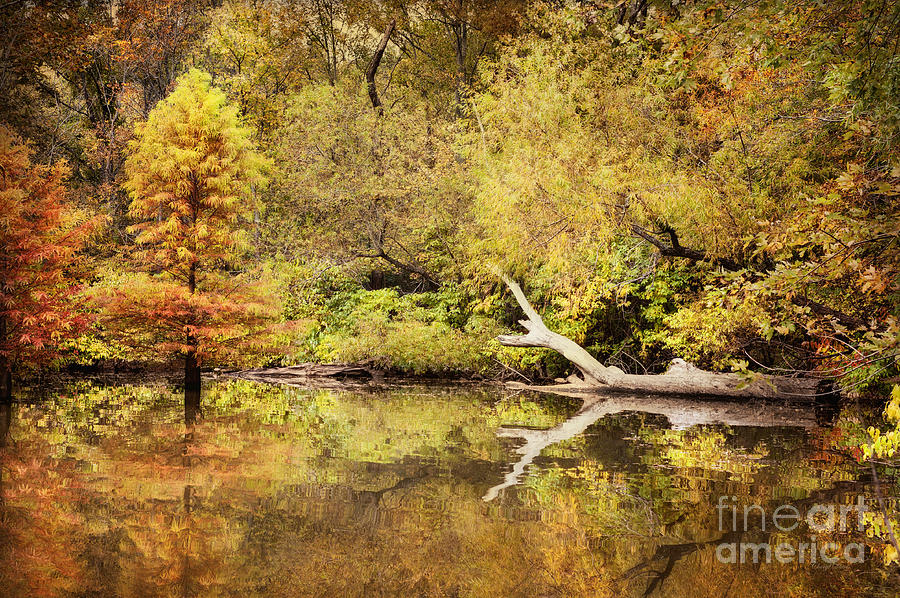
(373, 67)
(191, 361)
(5, 421)
(5, 385)
(191, 373)
(461, 34)
(5, 369)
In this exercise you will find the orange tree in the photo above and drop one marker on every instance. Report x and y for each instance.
(39, 237)
(190, 168)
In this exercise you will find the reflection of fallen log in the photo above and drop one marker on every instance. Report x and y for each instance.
(682, 378)
(670, 554)
(681, 413)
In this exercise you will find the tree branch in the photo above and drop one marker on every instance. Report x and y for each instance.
(676, 250)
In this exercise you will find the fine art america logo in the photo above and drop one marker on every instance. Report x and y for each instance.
(819, 518)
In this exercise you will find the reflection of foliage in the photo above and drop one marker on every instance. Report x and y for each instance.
(187, 510)
(89, 413)
(592, 497)
(885, 445)
(703, 447)
(519, 411)
(885, 523)
(286, 491)
(33, 524)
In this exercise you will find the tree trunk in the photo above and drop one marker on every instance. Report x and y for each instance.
(681, 378)
(191, 409)
(5, 384)
(191, 362)
(461, 35)
(191, 373)
(5, 421)
(373, 67)
(5, 368)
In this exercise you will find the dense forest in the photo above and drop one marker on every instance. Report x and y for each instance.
(698, 197)
(262, 182)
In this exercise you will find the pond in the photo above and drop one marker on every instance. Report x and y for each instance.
(114, 490)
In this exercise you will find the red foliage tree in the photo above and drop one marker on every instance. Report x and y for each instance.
(39, 238)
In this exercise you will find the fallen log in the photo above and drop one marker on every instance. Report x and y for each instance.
(682, 378)
(307, 374)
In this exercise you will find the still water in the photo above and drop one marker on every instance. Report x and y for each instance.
(118, 490)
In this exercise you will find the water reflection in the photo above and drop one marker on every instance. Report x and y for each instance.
(5, 420)
(191, 406)
(680, 413)
(130, 491)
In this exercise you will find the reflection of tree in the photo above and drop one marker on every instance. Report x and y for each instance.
(669, 555)
(368, 503)
(538, 440)
(5, 420)
(648, 475)
(36, 521)
(191, 407)
(191, 415)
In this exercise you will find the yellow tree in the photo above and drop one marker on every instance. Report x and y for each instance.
(189, 172)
